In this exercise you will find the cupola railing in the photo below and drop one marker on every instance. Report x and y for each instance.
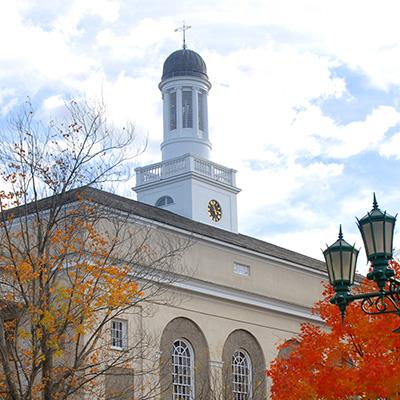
(184, 164)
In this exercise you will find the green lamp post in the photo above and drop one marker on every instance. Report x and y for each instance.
(341, 259)
(377, 230)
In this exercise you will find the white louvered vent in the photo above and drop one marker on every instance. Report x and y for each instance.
(187, 109)
(241, 269)
(172, 111)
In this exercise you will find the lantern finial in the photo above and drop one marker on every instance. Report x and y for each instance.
(375, 203)
(340, 232)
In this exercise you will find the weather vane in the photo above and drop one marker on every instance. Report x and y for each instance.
(183, 29)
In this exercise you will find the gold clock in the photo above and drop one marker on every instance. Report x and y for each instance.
(214, 210)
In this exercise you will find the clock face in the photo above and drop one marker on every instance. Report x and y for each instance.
(214, 210)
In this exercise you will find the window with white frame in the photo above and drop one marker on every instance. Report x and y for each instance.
(119, 332)
(182, 370)
(241, 376)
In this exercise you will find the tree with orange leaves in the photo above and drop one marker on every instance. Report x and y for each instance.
(358, 359)
(69, 266)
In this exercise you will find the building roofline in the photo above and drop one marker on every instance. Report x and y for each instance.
(159, 215)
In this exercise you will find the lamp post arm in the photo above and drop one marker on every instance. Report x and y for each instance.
(371, 295)
(372, 303)
(363, 296)
(395, 281)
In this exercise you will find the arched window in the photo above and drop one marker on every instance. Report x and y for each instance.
(182, 371)
(241, 376)
(244, 367)
(164, 201)
(177, 331)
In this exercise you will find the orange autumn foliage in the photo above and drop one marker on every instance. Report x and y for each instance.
(70, 263)
(357, 360)
(66, 294)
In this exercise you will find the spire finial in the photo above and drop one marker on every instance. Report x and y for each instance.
(183, 29)
(340, 232)
(375, 203)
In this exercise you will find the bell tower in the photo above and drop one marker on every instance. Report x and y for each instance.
(186, 182)
(184, 86)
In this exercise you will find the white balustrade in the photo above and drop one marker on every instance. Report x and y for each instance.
(180, 165)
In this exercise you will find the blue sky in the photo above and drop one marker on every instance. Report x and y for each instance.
(305, 101)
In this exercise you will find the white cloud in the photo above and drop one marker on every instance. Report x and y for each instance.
(147, 35)
(53, 102)
(33, 56)
(361, 33)
(273, 189)
(359, 136)
(270, 64)
(308, 241)
(391, 148)
(68, 23)
(266, 86)
(7, 100)
(130, 100)
(312, 240)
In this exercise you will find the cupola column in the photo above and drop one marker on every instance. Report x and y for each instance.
(195, 102)
(166, 112)
(179, 109)
(205, 111)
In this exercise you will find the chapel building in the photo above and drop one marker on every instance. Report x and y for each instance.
(215, 327)
(242, 296)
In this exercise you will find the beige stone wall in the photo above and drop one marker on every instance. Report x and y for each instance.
(273, 278)
(211, 263)
(218, 318)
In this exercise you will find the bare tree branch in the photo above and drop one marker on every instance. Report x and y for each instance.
(72, 265)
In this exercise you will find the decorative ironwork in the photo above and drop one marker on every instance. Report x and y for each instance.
(387, 302)
(394, 288)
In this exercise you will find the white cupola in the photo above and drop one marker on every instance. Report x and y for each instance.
(186, 182)
(184, 86)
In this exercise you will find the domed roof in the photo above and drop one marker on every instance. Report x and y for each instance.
(184, 62)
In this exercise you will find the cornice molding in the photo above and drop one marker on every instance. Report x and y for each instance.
(247, 299)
